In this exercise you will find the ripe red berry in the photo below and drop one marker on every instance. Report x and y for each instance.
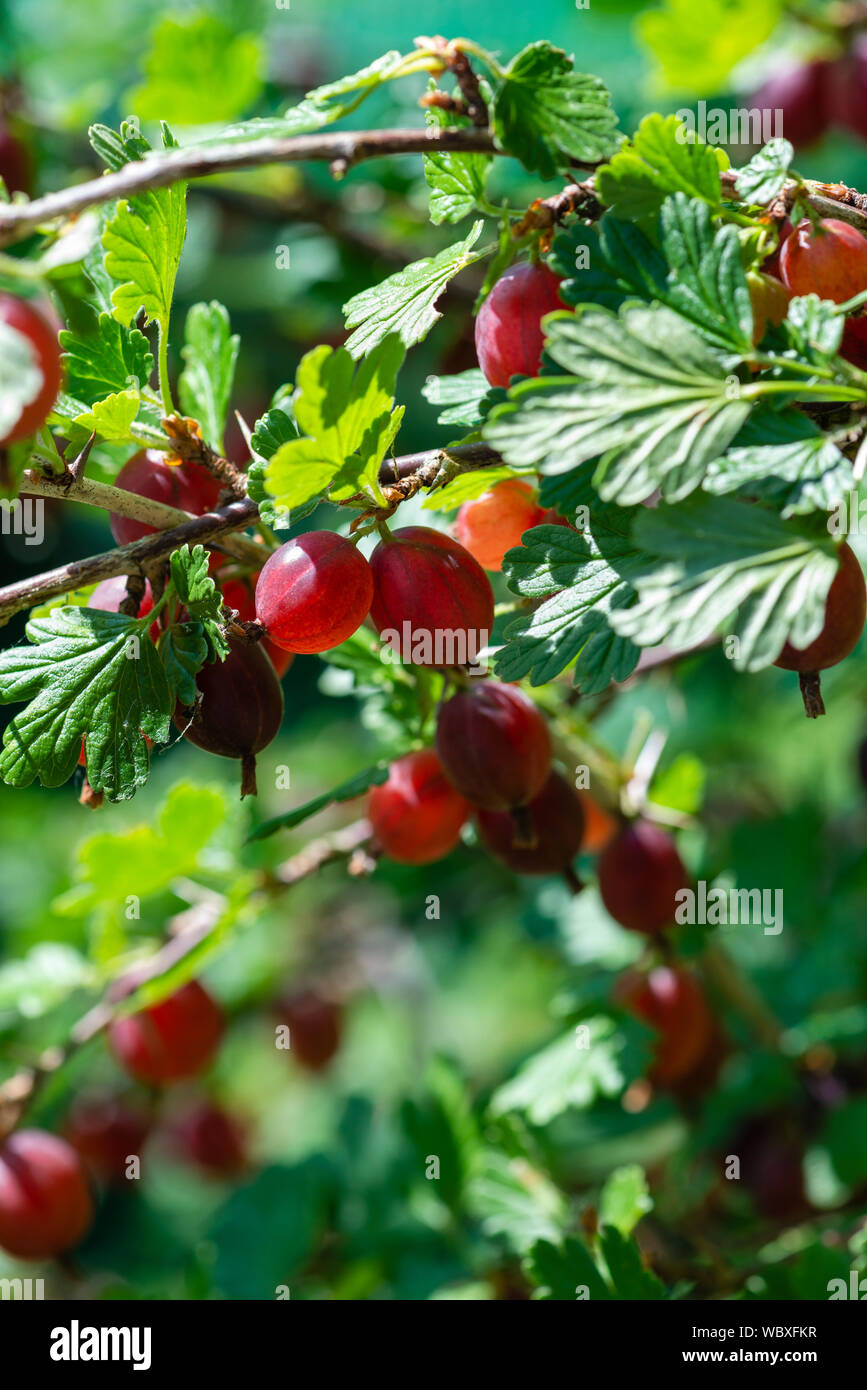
(771, 264)
(640, 874)
(509, 336)
(416, 815)
(187, 486)
(169, 1041)
(771, 1153)
(240, 710)
(36, 345)
(494, 745)
(770, 302)
(45, 1202)
(490, 525)
(556, 820)
(238, 594)
(15, 164)
(106, 1132)
(315, 1027)
(830, 260)
(314, 592)
(802, 93)
(673, 1003)
(845, 612)
(212, 1138)
(432, 602)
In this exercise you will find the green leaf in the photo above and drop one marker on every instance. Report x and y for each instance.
(715, 564)
(119, 147)
(184, 649)
(565, 1272)
(781, 457)
(466, 396)
(146, 858)
(514, 1200)
(197, 591)
(43, 979)
(210, 354)
(584, 574)
(645, 391)
(573, 1072)
(681, 785)
(105, 362)
(405, 303)
(764, 178)
(20, 376)
(143, 244)
(548, 116)
(456, 181)
(628, 1275)
(87, 672)
(111, 418)
(116, 148)
(845, 1137)
(346, 412)
(442, 1122)
(698, 46)
(656, 163)
(198, 71)
(353, 787)
(698, 271)
(268, 1229)
(321, 107)
(277, 426)
(625, 1199)
(465, 487)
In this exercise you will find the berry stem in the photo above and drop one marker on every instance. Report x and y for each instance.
(811, 693)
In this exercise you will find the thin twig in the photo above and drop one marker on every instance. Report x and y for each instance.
(131, 504)
(159, 170)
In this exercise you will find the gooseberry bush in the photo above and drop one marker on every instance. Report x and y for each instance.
(653, 465)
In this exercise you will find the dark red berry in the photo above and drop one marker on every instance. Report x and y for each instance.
(673, 1004)
(187, 486)
(169, 1041)
(315, 1027)
(106, 1131)
(829, 260)
(640, 875)
(433, 603)
(15, 163)
(240, 710)
(555, 819)
(212, 1138)
(35, 343)
(494, 745)
(416, 815)
(509, 336)
(490, 525)
(45, 1202)
(802, 92)
(314, 592)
